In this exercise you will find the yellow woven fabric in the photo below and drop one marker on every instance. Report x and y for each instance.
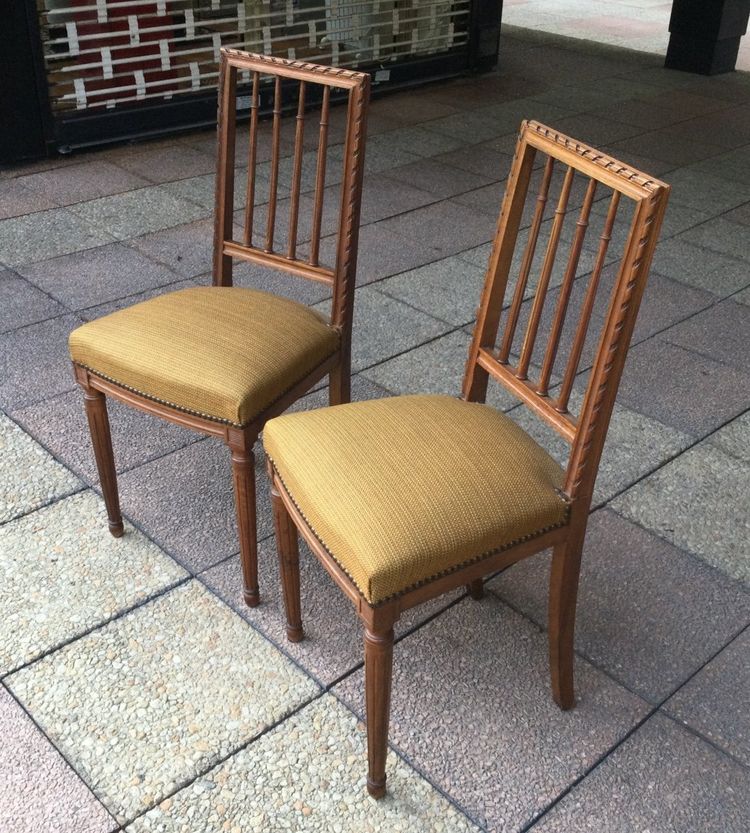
(226, 353)
(401, 490)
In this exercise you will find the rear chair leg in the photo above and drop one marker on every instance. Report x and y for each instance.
(287, 546)
(96, 412)
(566, 565)
(378, 677)
(340, 383)
(243, 473)
(476, 589)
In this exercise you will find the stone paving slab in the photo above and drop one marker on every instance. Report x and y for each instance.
(82, 576)
(22, 304)
(39, 792)
(186, 249)
(662, 779)
(199, 682)
(29, 476)
(166, 163)
(306, 775)
(86, 181)
(35, 363)
(722, 333)
(47, 234)
(699, 267)
(472, 705)
(90, 313)
(16, 200)
(699, 503)
(734, 438)
(442, 180)
(96, 276)
(720, 235)
(649, 614)
(714, 702)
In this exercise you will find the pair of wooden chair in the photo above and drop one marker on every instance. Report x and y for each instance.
(406, 498)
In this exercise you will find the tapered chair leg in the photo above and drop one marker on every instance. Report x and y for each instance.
(566, 566)
(243, 473)
(340, 383)
(476, 589)
(96, 412)
(287, 546)
(378, 676)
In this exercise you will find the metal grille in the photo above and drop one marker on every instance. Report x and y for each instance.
(105, 53)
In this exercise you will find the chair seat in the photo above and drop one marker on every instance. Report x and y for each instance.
(225, 353)
(400, 491)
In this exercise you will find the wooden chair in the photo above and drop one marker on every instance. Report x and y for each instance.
(406, 498)
(222, 360)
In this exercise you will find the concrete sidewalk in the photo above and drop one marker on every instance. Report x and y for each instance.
(137, 692)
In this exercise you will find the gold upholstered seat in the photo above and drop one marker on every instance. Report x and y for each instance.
(224, 353)
(402, 490)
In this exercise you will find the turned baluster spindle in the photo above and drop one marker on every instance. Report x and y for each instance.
(274, 184)
(252, 154)
(320, 178)
(296, 172)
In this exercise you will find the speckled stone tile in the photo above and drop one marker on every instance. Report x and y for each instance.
(679, 387)
(635, 446)
(39, 792)
(722, 236)
(648, 614)
(714, 702)
(29, 476)
(448, 289)
(165, 163)
(82, 576)
(384, 327)
(705, 192)
(186, 249)
(76, 183)
(21, 303)
(185, 502)
(700, 267)
(137, 212)
(35, 363)
(95, 276)
(472, 708)
(734, 438)
(16, 199)
(306, 775)
(157, 697)
(440, 179)
(662, 779)
(699, 503)
(722, 333)
(47, 234)
(90, 313)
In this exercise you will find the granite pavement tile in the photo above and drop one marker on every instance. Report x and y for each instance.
(306, 775)
(729, 128)
(667, 145)
(714, 702)
(90, 313)
(383, 197)
(16, 199)
(187, 249)
(484, 159)
(722, 236)
(96, 276)
(734, 438)
(471, 704)
(679, 387)
(47, 234)
(384, 327)
(696, 266)
(741, 214)
(77, 183)
(166, 163)
(35, 363)
(333, 643)
(38, 790)
(421, 141)
(137, 212)
(137, 437)
(649, 614)
(21, 303)
(199, 680)
(596, 130)
(662, 779)
(29, 476)
(698, 502)
(704, 192)
(448, 289)
(721, 332)
(185, 502)
(731, 165)
(82, 576)
(442, 180)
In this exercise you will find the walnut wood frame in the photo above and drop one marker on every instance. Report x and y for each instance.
(586, 436)
(341, 278)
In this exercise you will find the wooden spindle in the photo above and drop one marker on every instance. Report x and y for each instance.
(541, 292)
(252, 154)
(565, 290)
(588, 305)
(320, 178)
(528, 257)
(296, 172)
(274, 185)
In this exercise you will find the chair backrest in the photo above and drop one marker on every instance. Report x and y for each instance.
(275, 187)
(512, 354)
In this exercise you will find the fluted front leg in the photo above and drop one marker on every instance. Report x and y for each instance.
(287, 547)
(378, 676)
(243, 472)
(563, 595)
(101, 439)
